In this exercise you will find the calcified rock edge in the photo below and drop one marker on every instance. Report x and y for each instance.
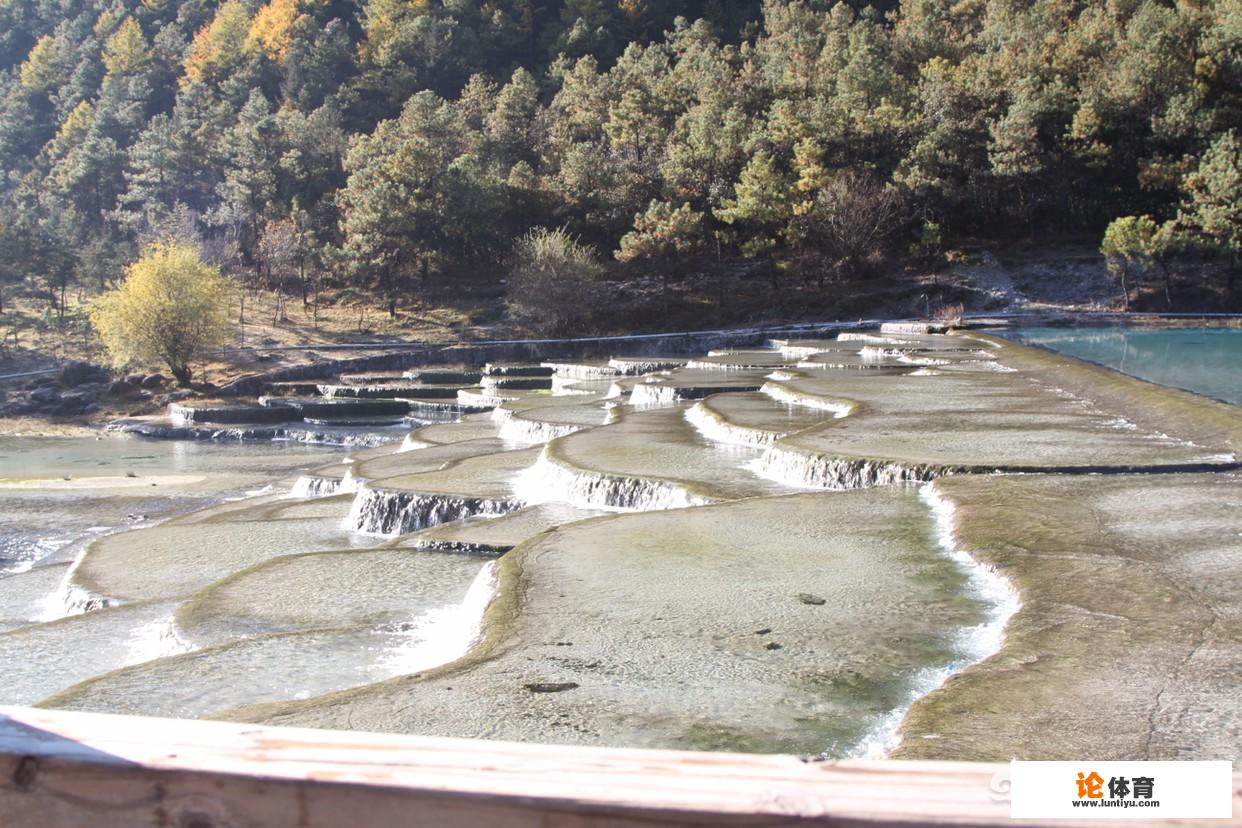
(803, 547)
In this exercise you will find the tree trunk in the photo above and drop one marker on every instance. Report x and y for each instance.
(1125, 289)
(181, 373)
(1168, 286)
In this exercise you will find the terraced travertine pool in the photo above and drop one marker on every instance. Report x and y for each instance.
(924, 545)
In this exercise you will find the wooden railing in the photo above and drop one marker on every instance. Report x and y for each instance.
(61, 770)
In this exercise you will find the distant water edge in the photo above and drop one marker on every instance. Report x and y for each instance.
(1204, 360)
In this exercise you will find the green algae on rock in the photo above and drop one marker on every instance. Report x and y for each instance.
(664, 621)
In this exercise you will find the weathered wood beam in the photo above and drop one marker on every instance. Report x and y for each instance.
(61, 770)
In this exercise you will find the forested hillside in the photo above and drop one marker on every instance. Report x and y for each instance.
(386, 145)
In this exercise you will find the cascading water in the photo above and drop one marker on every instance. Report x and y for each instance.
(549, 481)
(313, 485)
(974, 644)
(802, 469)
(780, 393)
(714, 427)
(389, 512)
(445, 634)
(653, 395)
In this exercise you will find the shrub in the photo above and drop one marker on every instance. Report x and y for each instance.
(171, 309)
(554, 281)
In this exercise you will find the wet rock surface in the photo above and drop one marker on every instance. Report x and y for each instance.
(1129, 638)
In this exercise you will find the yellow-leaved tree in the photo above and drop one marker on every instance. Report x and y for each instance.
(171, 309)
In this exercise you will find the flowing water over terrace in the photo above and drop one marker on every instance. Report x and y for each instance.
(735, 550)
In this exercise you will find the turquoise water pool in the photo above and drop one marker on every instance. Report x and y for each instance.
(1204, 360)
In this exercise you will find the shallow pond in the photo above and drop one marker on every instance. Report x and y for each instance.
(56, 491)
(1204, 360)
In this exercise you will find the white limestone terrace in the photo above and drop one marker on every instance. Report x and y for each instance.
(661, 576)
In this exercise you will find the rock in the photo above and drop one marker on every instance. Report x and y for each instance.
(772, 645)
(175, 396)
(152, 381)
(134, 380)
(120, 388)
(248, 385)
(551, 686)
(70, 404)
(763, 631)
(43, 382)
(45, 394)
(75, 373)
(813, 600)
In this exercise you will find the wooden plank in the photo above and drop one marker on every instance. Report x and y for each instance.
(67, 769)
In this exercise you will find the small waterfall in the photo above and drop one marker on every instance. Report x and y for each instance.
(257, 433)
(712, 426)
(314, 485)
(582, 371)
(518, 429)
(481, 398)
(926, 361)
(158, 639)
(71, 599)
(811, 471)
(548, 481)
(877, 353)
(653, 395)
(876, 339)
(346, 439)
(974, 644)
(387, 512)
(633, 368)
(702, 365)
(443, 635)
(799, 351)
(783, 394)
(412, 443)
(180, 416)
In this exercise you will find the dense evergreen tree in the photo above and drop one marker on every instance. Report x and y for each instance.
(403, 143)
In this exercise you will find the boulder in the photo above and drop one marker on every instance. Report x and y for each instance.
(45, 394)
(73, 374)
(121, 388)
(71, 403)
(134, 380)
(152, 381)
(175, 396)
(248, 385)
